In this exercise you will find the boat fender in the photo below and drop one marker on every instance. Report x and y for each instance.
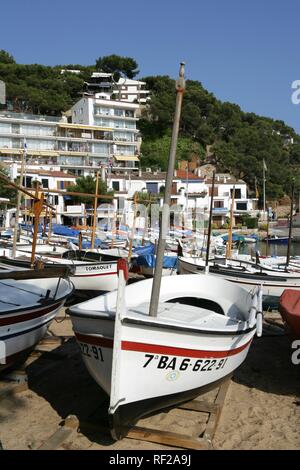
(122, 265)
(259, 323)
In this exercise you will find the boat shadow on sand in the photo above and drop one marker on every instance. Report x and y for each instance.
(269, 368)
(62, 379)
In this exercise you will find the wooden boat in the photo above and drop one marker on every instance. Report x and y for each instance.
(161, 342)
(201, 334)
(29, 302)
(289, 308)
(273, 282)
(94, 272)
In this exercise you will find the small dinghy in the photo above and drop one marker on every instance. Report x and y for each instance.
(289, 308)
(29, 300)
(201, 334)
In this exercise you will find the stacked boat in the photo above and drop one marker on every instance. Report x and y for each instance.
(29, 302)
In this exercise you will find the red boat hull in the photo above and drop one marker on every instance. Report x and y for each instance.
(289, 307)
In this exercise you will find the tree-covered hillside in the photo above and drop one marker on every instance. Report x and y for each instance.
(237, 141)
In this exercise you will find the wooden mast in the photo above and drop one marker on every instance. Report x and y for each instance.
(229, 241)
(135, 199)
(18, 207)
(290, 226)
(37, 208)
(180, 88)
(210, 218)
(95, 212)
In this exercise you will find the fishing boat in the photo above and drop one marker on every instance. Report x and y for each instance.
(92, 271)
(247, 275)
(201, 334)
(164, 341)
(29, 302)
(289, 308)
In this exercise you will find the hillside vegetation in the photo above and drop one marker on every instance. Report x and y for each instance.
(237, 141)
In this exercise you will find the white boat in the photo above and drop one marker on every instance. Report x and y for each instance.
(202, 333)
(94, 272)
(273, 282)
(161, 342)
(29, 302)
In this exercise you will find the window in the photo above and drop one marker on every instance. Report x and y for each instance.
(237, 193)
(241, 206)
(119, 112)
(28, 181)
(152, 188)
(121, 203)
(218, 204)
(116, 185)
(45, 183)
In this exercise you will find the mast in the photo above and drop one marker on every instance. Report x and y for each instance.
(290, 226)
(210, 218)
(229, 241)
(95, 212)
(37, 209)
(135, 200)
(180, 88)
(18, 206)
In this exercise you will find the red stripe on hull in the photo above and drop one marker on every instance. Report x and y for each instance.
(93, 275)
(97, 341)
(27, 316)
(158, 349)
(169, 350)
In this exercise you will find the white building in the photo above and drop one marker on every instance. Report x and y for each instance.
(53, 183)
(120, 140)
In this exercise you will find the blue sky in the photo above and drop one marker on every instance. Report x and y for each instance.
(243, 52)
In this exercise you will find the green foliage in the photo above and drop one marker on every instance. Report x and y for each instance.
(250, 222)
(155, 152)
(6, 58)
(117, 64)
(87, 184)
(5, 191)
(238, 141)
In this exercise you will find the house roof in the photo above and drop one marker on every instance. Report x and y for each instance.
(190, 176)
(55, 174)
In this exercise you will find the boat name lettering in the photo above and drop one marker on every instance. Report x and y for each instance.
(176, 363)
(91, 351)
(98, 267)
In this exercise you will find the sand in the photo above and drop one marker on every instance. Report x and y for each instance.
(262, 408)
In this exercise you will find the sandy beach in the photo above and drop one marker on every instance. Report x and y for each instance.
(262, 408)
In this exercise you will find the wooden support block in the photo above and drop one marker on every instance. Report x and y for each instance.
(168, 438)
(69, 426)
(201, 406)
(214, 417)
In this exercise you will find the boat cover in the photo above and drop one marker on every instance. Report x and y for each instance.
(289, 307)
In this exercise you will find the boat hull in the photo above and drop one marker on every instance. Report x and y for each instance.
(272, 286)
(19, 339)
(154, 369)
(289, 308)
